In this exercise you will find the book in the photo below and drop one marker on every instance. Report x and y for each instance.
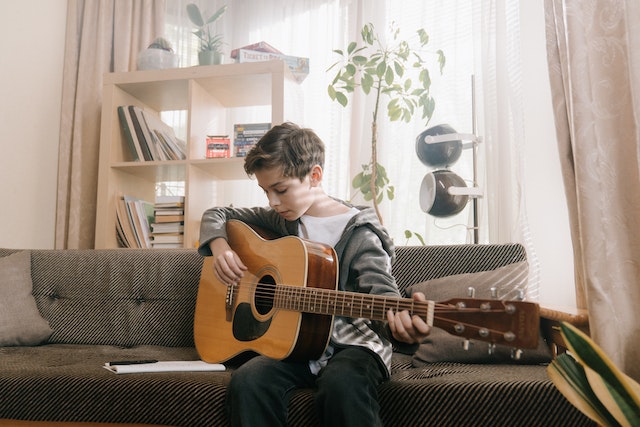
(299, 66)
(164, 366)
(168, 238)
(260, 47)
(164, 136)
(129, 133)
(146, 151)
(141, 215)
(168, 218)
(218, 147)
(166, 227)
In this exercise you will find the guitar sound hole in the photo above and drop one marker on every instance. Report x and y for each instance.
(264, 295)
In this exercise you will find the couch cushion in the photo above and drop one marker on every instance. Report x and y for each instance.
(20, 320)
(508, 281)
(62, 382)
(69, 383)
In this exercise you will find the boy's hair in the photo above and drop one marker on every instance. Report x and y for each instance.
(296, 150)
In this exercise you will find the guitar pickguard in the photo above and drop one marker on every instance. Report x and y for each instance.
(245, 326)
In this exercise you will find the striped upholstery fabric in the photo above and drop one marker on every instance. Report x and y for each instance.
(138, 304)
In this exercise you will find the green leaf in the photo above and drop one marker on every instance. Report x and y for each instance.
(217, 15)
(358, 180)
(569, 378)
(381, 68)
(367, 33)
(359, 60)
(399, 68)
(441, 59)
(342, 99)
(425, 78)
(339, 52)
(352, 46)
(391, 193)
(389, 76)
(350, 70)
(616, 388)
(424, 37)
(193, 12)
(332, 92)
(366, 83)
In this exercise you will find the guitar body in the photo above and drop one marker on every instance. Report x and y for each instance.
(231, 320)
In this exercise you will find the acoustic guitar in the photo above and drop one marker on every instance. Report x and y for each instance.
(285, 304)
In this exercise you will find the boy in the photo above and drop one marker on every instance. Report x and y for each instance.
(287, 163)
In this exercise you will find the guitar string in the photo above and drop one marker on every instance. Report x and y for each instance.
(268, 292)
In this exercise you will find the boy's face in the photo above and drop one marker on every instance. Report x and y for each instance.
(288, 196)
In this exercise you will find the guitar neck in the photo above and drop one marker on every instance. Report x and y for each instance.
(348, 304)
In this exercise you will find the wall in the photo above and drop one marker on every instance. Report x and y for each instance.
(30, 87)
(32, 45)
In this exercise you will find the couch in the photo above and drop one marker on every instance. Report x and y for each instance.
(96, 306)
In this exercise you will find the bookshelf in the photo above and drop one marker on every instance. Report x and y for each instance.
(213, 98)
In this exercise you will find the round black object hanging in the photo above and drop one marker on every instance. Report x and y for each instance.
(435, 198)
(438, 154)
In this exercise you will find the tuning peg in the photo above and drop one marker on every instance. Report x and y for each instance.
(471, 292)
(516, 353)
(521, 294)
(494, 292)
(492, 348)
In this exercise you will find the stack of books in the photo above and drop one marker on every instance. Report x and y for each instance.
(133, 219)
(148, 137)
(247, 135)
(167, 229)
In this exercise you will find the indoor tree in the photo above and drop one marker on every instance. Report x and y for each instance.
(394, 72)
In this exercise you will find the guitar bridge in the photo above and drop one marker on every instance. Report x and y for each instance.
(228, 301)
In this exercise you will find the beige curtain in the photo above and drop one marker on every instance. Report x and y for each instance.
(594, 67)
(102, 36)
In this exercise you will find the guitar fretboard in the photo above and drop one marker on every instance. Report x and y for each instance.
(348, 304)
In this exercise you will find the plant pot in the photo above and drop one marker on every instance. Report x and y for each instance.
(157, 59)
(209, 57)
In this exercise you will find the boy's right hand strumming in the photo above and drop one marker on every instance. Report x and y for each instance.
(227, 265)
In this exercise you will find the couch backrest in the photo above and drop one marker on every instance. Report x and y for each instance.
(415, 264)
(118, 297)
(130, 297)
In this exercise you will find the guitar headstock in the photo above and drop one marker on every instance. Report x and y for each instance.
(511, 323)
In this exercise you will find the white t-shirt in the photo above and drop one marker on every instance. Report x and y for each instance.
(327, 230)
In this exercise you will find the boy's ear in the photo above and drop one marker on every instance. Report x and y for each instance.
(316, 175)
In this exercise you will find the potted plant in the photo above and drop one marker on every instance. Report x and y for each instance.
(210, 44)
(159, 55)
(379, 70)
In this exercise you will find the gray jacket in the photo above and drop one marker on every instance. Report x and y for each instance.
(365, 253)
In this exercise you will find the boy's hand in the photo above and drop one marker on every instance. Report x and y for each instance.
(227, 265)
(407, 328)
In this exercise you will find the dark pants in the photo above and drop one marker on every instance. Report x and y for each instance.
(346, 390)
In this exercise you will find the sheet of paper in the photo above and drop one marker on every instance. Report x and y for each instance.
(166, 366)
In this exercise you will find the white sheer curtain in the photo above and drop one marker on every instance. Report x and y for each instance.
(480, 39)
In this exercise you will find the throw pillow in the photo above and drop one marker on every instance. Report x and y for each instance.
(441, 346)
(20, 320)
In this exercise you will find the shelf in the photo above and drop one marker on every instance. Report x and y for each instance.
(214, 98)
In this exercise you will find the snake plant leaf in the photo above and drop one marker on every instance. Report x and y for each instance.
(570, 379)
(618, 392)
(590, 354)
(621, 409)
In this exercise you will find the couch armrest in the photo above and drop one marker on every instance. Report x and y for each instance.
(552, 317)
